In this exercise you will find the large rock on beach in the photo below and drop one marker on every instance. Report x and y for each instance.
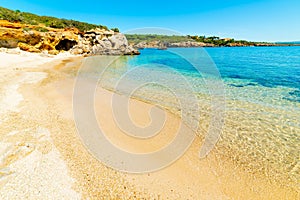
(102, 42)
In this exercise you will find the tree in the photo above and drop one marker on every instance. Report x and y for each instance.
(115, 30)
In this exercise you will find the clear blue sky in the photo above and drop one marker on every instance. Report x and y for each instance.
(257, 20)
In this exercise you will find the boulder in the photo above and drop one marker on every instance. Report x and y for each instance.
(27, 47)
(100, 42)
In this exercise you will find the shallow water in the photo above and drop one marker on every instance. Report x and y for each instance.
(261, 86)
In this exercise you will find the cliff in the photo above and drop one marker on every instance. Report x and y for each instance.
(39, 38)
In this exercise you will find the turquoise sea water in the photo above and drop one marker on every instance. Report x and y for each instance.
(261, 132)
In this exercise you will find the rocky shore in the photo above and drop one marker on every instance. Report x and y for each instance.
(46, 40)
(188, 44)
(38, 39)
(161, 44)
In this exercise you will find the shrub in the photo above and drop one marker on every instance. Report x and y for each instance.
(115, 30)
(29, 18)
(27, 29)
(41, 29)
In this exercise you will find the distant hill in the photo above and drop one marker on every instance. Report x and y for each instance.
(293, 42)
(136, 38)
(53, 22)
(153, 40)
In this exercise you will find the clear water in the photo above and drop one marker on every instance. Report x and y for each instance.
(262, 89)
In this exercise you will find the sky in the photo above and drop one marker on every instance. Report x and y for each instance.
(255, 20)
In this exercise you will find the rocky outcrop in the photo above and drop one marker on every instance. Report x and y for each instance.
(265, 45)
(190, 44)
(35, 38)
(10, 38)
(161, 44)
(102, 42)
(194, 42)
(39, 38)
(152, 44)
(238, 44)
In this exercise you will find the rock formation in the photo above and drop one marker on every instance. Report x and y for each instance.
(38, 38)
(189, 44)
(159, 44)
(102, 42)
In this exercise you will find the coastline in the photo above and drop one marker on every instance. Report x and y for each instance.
(262, 46)
(42, 119)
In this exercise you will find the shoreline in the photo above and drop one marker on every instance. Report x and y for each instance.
(48, 102)
(208, 47)
(215, 176)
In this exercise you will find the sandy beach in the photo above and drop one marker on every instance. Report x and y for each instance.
(42, 156)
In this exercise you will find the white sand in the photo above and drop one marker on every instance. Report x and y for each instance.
(25, 59)
(42, 157)
(34, 174)
(30, 165)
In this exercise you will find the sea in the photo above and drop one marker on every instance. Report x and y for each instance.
(251, 93)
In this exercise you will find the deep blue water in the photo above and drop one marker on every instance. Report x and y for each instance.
(268, 67)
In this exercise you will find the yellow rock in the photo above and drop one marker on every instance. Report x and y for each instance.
(27, 37)
(27, 47)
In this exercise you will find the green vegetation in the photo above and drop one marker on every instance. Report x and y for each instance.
(217, 41)
(41, 29)
(136, 38)
(32, 19)
(291, 43)
(115, 30)
(27, 29)
(214, 40)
